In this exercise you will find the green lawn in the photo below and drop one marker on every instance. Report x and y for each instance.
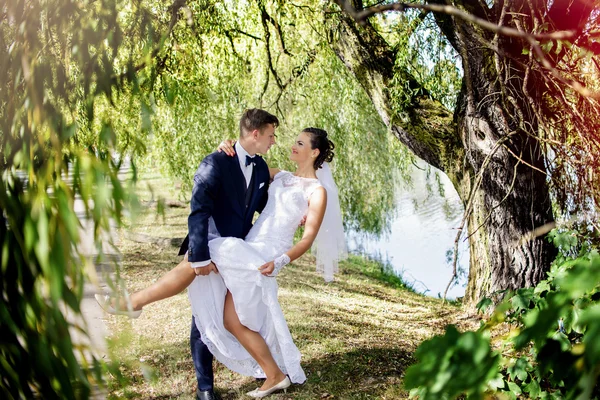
(357, 335)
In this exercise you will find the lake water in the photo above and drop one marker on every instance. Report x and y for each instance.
(423, 230)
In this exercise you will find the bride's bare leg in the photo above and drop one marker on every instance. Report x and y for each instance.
(170, 284)
(253, 343)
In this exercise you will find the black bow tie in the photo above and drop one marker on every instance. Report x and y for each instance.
(249, 160)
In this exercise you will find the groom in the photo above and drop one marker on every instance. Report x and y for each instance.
(227, 191)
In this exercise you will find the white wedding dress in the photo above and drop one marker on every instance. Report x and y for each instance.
(254, 295)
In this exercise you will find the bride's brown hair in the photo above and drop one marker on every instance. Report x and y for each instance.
(319, 140)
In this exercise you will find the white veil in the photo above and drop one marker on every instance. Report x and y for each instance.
(329, 246)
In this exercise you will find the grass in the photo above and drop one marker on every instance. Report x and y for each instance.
(357, 335)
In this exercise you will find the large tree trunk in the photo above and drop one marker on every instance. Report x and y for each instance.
(512, 202)
(480, 141)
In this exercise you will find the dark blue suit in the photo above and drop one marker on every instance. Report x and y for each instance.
(220, 192)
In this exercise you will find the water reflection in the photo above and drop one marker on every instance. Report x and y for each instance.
(422, 232)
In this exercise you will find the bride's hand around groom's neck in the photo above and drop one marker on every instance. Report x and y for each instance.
(302, 221)
(226, 146)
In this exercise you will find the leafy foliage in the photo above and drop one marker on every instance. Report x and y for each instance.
(66, 67)
(284, 65)
(451, 365)
(423, 52)
(551, 350)
(90, 84)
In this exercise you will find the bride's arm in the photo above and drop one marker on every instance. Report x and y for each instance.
(314, 217)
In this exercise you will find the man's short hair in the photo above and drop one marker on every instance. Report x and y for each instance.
(255, 118)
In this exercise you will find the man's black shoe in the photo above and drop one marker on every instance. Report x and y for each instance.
(207, 395)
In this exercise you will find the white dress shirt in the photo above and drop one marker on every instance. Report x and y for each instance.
(241, 154)
(246, 170)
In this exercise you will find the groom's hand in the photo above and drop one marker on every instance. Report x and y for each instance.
(267, 269)
(207, 269)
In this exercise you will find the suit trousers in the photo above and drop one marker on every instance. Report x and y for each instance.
(202, 358)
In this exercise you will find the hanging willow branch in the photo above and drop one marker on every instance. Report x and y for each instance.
(174, 9)
(562, 116)
(362, 16)
(533, 39)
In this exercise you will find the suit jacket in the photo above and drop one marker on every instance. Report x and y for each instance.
(219, 194)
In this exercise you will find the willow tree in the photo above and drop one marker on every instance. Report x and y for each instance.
(516, 136)
(224, 57)
(524, 128)
(86, 84)
(68, 69)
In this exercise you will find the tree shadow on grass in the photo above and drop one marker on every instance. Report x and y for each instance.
(361, 373)
(355, 374)
(364, 372)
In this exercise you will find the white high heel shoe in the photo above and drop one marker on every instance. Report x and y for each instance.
(105, 302)
(283, 385)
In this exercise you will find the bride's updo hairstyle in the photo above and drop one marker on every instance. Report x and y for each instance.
(319, 140)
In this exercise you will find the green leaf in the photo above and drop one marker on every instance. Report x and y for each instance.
(453, 364)
(170, 92)
(559, 46)
(533, 388)
(69, 131)
(69, 218)
(591, 318)
(42, 245)
(547, 47)
(543, 286)
(497, 382)
(71, 300)
(30, 233)
(146, 117)
(513, 387)
(522, 299)
(583, 277)
(483, 305)
(107, 135)
(519, 370)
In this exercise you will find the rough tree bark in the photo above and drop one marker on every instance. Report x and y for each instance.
(483, 137)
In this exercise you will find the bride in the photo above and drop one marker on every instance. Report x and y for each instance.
(237, 311)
